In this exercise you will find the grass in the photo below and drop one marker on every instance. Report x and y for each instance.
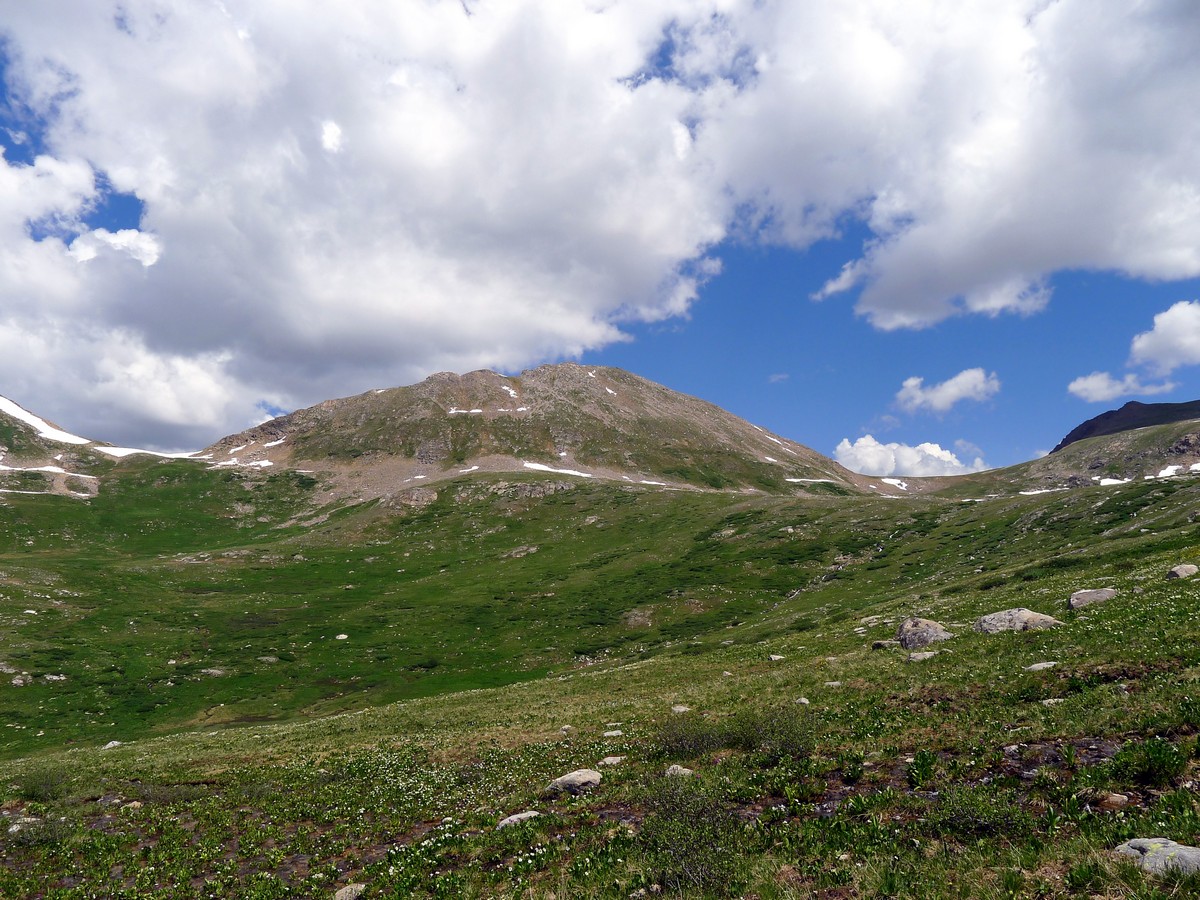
(389, 757)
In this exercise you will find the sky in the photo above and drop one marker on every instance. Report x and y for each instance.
(922, 238)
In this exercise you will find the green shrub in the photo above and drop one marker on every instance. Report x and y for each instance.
(979, 813)
(690, 842)
(687, 736)
(920, 771)
(1154, 763)
(44, 784)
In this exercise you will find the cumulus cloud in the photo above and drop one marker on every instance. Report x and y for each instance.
(1101, 386)
(868, 456)
(970, 384)
(345, 196)
(1174, 340)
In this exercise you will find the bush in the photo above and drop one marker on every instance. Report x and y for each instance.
(777, 734)
(687, 736)
(690, 842)
(45, 784)
(1154, 763)
(968, 813)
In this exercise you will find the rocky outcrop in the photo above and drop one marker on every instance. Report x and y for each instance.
(1018, 619)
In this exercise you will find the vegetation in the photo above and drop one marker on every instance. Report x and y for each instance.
(195, 616)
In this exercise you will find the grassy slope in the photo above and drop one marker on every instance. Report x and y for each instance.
(894, 783)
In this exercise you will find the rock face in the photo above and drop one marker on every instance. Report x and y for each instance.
(1080, 599)
(1018, 619)
(574, 783)
(1185, 570)
(915, 633)
(1160, 856)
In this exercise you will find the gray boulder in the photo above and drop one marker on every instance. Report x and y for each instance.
(922, 655)
(915, 633)
(1018, 619)
(574, 783)
(350, 892)
(1080, 599)
(1185, 570)
(678, 771)
(1160, 856)
(518, 818)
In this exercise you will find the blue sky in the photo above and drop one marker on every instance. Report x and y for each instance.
(212, 213)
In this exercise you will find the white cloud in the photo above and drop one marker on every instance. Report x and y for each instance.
(1174, 340)
(1101, 386)
(970, 384)
(340, 196)
(868, 456)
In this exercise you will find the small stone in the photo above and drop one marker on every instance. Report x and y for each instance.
(678, 771)
(833, 684)
(1113, 802)
(803, 701)
(133, 804)
(268, 659)
(774, 657)
(612, 760)
(574, 783)
(727, 674)
(1184, 570)
(566, 729)
(922, 655)
(1053, 701)
(111, 745)
(1080, 599)
(350, 892)
(341, 637)
(1040, 667)
(616, 732)
(518, 818)
(679, 709)
(884, 644)
(1159, 856)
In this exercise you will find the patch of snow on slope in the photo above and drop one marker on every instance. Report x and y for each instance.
(770, 459)
(275, 443)
(1110, 482)
(508, 390)
(895, 482)
(1169, 471)
(56, 470)
(591, 374)
(237, 449)
(812, 480)
(656, 483)
(611, 391)
(539, 467)
(465, 471)
(455, 411)
(120, 452)
(44, 428)
(1040, 491)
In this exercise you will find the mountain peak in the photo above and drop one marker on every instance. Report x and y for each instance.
(1133, 414)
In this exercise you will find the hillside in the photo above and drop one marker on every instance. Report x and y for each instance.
(222, 678)
(1129, 417)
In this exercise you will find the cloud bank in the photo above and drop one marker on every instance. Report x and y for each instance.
(342, 196)
(867, 456)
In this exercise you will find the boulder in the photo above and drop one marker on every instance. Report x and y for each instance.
(574, 783)
(884, 644)
(1080, 599)
(612, 760)
(678, 771)
(1040, 667)
(1159, 856)
(922, 655)
(679, 709)
(775, 657)
(915, 633)
(616, 732)
(350, 892)
(518, 818)
(1018, 619)
(1185, 570)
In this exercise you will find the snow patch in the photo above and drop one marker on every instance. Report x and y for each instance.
(539, 467)
(656, 483)
(238, 449)
(811, 480)
(591, 374)
(120, 452)
(465, 471)
(56, 470)
(43, 428)
(1040, 491)
(895, 482)
(1110, 482)
(1169, 471)
(455, 411)
(611, 391)
(508, 390)
(770, 459)
(275, 443)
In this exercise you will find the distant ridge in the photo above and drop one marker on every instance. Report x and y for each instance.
(1130, 416)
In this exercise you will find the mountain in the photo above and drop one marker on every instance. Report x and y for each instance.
(280, 668)
(1130, 416)
(591, 422)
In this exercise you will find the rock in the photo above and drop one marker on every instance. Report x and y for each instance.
(616, 732)
(884, 644)
(111, 745)
(922, 655)
(1040, 667)
(774, 657)
(350, 892)
(1080, 599)
(1184, 570)
(214, 672)
(915, 633)
(1160, 856)
(1112, 802)
(612, 760)
(803, 701)
(518, 818)
(1018, 619)
(678, 771)
(833, 684)
(268, 659)
(680, 709)
(133, 804)
(1053, 701)
(341, 637)
(22, 680)
(574, 783)
(566, 729)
